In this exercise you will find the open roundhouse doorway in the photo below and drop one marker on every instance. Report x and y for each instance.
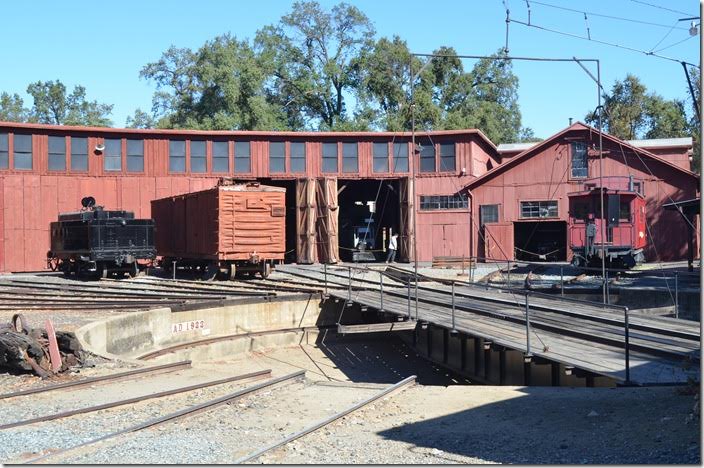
(540, 241)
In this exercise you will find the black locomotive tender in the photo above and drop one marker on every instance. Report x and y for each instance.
(98, 242)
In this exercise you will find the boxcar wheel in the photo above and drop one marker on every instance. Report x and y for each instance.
(134, 270)
(210, 271)
(231, 272)
(102, 269)
(265, 270)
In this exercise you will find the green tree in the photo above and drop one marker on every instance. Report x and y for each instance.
(526, 135)
(140, 119)
(694, 124)
(220, 86)
(12, 108)
(631, 112)
(315, 57)
(52, 105)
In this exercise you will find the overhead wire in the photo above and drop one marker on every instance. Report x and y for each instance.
(676, 43)
(660, 7)
(576, 36)
(619, 18)
(665, 36)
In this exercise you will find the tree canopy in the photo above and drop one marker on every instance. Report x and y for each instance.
(52, 105)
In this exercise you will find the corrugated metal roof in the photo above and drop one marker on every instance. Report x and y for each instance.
(661, 142)
(648, 143)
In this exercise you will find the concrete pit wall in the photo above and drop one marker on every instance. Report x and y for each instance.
(131, 335)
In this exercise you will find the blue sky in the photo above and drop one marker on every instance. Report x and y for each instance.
(103, 45)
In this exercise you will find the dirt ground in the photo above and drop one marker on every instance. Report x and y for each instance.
(436, 421)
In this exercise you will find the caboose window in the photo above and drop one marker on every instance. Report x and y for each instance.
(277, 157)
(447, 157)
(177, 156)
(79, 154)
(539, 209)
(349, 157)
(298, 157)
(580, 167)
(243, 157)
(4, 151)
(113, 155)
(57, 153)
(135, 156)
(23, 152)
(329, 157)
(624, 211)
(198, 156)
(221, 156)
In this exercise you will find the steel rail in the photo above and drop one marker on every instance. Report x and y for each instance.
(195, 409)
(113, 404)
(398, 386)
(91, 288)
(217, 339)
(643, 344)
(164, 368)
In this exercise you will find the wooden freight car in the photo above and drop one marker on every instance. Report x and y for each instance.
(229, 229)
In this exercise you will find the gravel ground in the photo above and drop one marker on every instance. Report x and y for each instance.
(433, 422)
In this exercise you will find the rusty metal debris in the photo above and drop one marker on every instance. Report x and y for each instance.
(38, 350)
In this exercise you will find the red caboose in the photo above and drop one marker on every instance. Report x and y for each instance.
(623, 222)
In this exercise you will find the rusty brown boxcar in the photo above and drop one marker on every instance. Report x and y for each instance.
(228, 229)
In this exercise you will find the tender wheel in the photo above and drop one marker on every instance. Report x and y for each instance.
(576, 261)
(231, 272)
(134, 270)
(102, 269)
(210, 271)
(265, 270)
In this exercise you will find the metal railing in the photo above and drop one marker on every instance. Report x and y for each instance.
(525, 293)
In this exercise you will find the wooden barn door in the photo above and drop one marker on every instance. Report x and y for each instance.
(405, 241)
(498, 241)
(327, 222)
(306, 251)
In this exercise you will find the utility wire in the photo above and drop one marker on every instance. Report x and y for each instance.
(619, 18)
(665, 36)
(602, 42)
(661, 7)
(674, 44)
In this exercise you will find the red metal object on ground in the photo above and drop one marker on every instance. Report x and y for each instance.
(240, 225)
(54, 354)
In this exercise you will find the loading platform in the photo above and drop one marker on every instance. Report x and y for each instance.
(600, 339)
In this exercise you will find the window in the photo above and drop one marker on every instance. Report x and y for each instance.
(400, 157)
(23, 152)
(298, 157)
(57, 153)
(447, 157)
(113, 155)
(79, 154)
(177, 156)
(580, 166)
(539, 209)
(4, 151)
(198, 165)
(349, 157)
(443, 202)
(380, 152)
(638, 187)
(581, 210)
(427, 157)
(221, 156)
(624, 211)
(135, 156)
(329, 157)
(488, 214)
(242, 157)
(277, 157)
